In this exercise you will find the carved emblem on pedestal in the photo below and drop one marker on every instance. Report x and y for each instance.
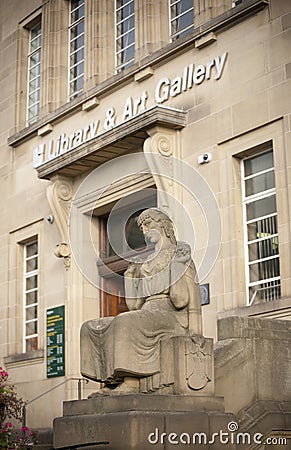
(197, 362)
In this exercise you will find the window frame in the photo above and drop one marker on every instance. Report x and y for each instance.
(119, 66)
(30, 55)
(273, 237)
(183, 31)
(112, 297)
(26, 275)
(78, 92)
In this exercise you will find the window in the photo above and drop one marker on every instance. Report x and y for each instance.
(33, 88)
(261, 229)
(124, 34)
(76, 48)
(181, 18)
(30, 340)
(112, 296)
(115, 251)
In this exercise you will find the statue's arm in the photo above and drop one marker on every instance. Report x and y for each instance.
(179, 292)
(131, 281)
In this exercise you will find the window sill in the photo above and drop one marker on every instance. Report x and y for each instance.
(22, 359)
(275, 309)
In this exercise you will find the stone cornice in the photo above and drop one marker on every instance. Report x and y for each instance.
(218, 24)
(132, 133)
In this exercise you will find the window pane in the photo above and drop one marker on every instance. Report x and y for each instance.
(125, 26)
(35, 31)
(120, 3)
(128, 53)
(31, 249)
(262, 207)
(182, 17)
(76, 3)
(33, 112)
(77, 85)
(124, 41)
(31, 282)
(125, 11)
(180, 7)
(77, 70)
(76, 30)
(33, 84)
(262, 228)
(35, 58)
(133, 234)
(263, 249)
(31, 344)
(31, 298)
(31, 264)
(31, 313)
(265, 291)
(259, 163)
(77, 14)
(260, 183)
(31, 328)
(34, 71)
(77, 57)
(33, 98)
(264, 270)
(77, 43)
(185, 20)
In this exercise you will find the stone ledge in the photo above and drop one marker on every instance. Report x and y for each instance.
(131, 430)
(252, 328)
(18, 359)
(143, 402)
(275, 309)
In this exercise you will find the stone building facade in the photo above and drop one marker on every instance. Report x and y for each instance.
(109, 107)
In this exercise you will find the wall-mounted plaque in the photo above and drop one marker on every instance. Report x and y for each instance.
(55, 342)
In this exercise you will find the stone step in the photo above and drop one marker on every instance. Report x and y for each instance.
(44, 439)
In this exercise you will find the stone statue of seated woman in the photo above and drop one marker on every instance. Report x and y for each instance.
(130, 352)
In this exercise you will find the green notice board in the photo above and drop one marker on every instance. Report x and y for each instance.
(55, 342)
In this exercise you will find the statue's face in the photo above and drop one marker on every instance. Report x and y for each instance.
(153, 231)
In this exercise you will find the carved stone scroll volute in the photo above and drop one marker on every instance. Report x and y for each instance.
(59, 195)
(165, 143)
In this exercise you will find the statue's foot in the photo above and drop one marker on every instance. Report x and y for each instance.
(104, 391)
(129, 386)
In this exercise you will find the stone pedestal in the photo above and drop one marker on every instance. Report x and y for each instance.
(139, 422)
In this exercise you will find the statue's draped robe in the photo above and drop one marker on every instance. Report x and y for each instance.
(129, 344)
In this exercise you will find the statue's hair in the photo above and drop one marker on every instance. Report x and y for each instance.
(157, 215)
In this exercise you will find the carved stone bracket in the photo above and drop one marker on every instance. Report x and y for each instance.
(59, 195)
(165, 143)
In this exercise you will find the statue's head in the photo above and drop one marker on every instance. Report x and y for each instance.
(158, 217)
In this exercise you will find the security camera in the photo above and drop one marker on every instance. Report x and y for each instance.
(205, 158)
(50, 218)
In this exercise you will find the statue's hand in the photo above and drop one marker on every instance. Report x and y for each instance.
(183, 253)
(132, 270)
